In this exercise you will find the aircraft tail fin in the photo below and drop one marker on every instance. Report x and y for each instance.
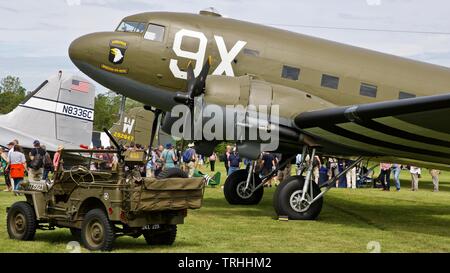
(59, 111)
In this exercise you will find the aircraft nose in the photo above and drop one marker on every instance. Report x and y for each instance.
(79, 49)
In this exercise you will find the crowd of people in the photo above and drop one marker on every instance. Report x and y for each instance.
(14, 165)
(324, 169)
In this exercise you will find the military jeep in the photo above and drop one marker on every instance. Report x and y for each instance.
(100, 205)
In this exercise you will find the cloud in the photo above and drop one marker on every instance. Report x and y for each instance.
(8, 9)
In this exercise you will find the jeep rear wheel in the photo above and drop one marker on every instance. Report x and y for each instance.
(97, 232)
(21, 221)
(165, 235)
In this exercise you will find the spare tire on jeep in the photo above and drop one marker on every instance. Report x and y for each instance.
(172, 173)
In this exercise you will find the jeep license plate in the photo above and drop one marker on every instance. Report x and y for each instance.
(149, 227)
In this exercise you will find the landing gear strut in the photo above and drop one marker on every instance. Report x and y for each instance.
(300, 198)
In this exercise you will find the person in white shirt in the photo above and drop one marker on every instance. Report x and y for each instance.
(415, 175)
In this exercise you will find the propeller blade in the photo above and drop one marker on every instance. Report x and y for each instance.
(201, 79)
(191, 80)
(195, 86)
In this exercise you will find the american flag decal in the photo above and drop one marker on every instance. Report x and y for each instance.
(80, 86)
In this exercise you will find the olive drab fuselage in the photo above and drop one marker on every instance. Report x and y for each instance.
(150, 71)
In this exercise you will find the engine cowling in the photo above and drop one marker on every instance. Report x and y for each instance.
(246, 90)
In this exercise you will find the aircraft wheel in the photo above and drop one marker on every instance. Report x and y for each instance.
(235, 192)
(97, 232)
(165, 235)
(21, 221)
(287, 196)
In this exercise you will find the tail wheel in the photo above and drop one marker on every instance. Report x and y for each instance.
(21, 221)
(97, 232)
(287, 200)
(236, 193)
(165, 235)
(171, 173)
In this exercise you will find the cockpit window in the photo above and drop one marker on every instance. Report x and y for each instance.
(154, 33)
(131, 27)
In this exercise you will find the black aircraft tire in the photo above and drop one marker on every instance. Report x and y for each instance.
(276, 194)
(293, 187)
(21, 221)
(172, 173)
(166, 235)
(97, 232)
(238, 179)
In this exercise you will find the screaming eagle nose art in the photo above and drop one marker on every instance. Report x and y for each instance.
(117, 52)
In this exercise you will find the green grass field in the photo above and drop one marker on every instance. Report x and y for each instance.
(402, 221)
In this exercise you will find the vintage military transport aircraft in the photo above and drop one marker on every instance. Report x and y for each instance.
(334, 99)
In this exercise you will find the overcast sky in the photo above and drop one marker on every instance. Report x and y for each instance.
(35, 35)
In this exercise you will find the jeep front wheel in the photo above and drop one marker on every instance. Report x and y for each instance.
(21, 221)
(97, 232)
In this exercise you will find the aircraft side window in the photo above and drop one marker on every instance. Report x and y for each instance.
(405, 95)
(368, 90)
(291, 73)
(131, 27)
(330, 81)
(154, 33)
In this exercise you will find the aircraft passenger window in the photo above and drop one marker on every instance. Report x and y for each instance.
(405, 95)
(330, 81)
(154, 33)
(131, 27)
(290, 73)
(368, 90)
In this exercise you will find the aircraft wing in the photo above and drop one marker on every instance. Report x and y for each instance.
(416, 129)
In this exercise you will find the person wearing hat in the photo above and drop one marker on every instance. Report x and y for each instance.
(168, 157)
(36, 166)
(189, 159)
(48, 163)
(234, 161)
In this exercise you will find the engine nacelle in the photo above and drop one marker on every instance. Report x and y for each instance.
(244, 90)
(254, 113)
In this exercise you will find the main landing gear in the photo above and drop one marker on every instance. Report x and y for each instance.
(246, 187)
(297, 197)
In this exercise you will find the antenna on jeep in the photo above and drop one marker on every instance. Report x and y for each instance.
(113, 140)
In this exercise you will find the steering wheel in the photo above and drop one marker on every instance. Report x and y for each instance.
(78, 174)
